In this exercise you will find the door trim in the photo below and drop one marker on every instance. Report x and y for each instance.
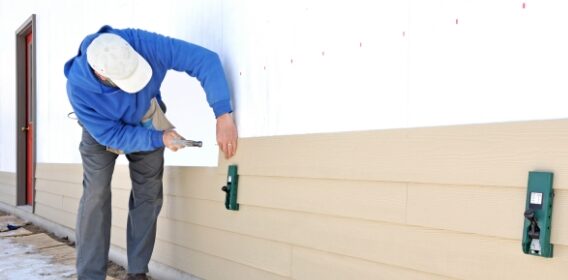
(28, 26)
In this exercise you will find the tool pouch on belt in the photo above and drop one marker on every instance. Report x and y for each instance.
(155, 119)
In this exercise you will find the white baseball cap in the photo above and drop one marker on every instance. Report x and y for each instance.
(114, 58)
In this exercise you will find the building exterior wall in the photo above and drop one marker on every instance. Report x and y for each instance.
(392, 197)
(424, 203)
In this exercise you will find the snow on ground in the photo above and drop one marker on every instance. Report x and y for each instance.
(18, 261)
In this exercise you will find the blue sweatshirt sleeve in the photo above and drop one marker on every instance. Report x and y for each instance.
(114, 133)
(195, 60)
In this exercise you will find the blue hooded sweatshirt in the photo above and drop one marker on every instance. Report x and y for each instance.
(113, 117)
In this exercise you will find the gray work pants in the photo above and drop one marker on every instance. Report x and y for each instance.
(94, 215)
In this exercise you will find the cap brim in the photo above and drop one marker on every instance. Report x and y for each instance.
(139, 79)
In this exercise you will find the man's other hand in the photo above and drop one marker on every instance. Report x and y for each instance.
(227, 135)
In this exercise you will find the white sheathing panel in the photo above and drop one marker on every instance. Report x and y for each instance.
(299, 67)
(61, 25)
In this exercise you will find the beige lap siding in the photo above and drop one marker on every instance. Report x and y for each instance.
(426, 203)
(8, 188)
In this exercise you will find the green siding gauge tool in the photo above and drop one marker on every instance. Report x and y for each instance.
(538, 215)
(231, 189)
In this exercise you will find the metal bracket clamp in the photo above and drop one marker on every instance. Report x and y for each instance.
(231, 189)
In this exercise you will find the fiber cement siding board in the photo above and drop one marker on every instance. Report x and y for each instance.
(120, 214)
(269, 255)
(66, 172)
(7, 178)
(310, 264)
(260, 253)
(121, 178)
(559, 234)
(119, 217)
(9, 190)
(55, 198)
(195, 182)
(69, 189)
(380, 201)
(8, 187)
(465, 208)
(200, 264)
(8, 199)
(71, 204)
(120, 198)
(51, 200)
(181, 177)
(56, 215)
(453, 254)
(118, 236)
(206, 266)
(59, 194)
(488, 154)
(469, 209)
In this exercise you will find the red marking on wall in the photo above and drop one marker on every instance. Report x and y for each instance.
(524, 5)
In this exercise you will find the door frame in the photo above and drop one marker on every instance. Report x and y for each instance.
(29, 26)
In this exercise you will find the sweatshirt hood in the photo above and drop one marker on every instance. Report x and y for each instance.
(78, 71)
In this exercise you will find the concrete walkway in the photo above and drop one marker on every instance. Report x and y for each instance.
(30, 253)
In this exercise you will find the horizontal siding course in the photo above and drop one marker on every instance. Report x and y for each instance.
(59, 186)
(380, 201)
(7, 178)
(486, 155)
(207, 266)
(311, 264)
(8, 187)
(55, 215)
(263, 254)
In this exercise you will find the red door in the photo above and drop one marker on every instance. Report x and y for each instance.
(29, 125)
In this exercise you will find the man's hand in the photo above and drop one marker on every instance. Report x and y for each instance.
(168, 137)
(227, 135)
